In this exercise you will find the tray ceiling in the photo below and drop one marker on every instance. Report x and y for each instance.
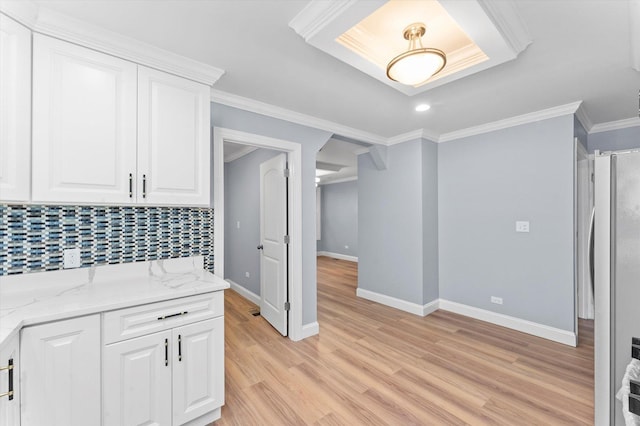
(367, 34)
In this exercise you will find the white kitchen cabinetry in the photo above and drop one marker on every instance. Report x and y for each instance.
(10, 383)
(84, 124)
(15, 110)
(173, 139)
(60, 373)
(172, 376)
(107, 131)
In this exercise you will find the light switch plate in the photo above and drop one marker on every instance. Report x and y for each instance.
(71, 258)
(522, 226)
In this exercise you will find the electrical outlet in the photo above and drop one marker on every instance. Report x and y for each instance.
(522, 226)
(238, 224)
(246, 274)
(496, 300)
(71, 258)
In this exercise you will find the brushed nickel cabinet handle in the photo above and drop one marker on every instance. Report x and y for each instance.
(130, 185)
(166, 352)
(179, 347)
(172, 315)
(144, 186)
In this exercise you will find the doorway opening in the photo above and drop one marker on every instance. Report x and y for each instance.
(292, 219)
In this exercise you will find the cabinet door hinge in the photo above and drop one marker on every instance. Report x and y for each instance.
(286, 239)
(286, 173)
(287, 306)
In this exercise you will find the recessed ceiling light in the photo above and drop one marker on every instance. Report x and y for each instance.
(423, 107)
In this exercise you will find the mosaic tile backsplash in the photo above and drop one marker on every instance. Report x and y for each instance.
(33, 237)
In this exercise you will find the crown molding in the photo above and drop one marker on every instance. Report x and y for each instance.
(318, 14)
(507, 19)
(280, 113)
(54, 24)
(616, 125)
(361, 151)
(512, 121)
(583, 118)
(634, 33)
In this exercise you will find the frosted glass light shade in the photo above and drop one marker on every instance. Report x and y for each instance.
(416, 66)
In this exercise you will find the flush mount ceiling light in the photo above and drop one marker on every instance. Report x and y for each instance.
(418, 63)
(423, 107)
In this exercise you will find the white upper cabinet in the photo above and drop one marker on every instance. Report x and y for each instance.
(173, 139)
(84, 124)
(108, 131)
(15, 110)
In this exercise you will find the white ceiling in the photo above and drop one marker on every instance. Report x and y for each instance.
(581, 50)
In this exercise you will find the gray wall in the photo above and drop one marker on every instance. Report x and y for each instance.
(339, 224)
(242, 204)
(488, 182)
(392, 223)
(615, 140)
(430, 221)
(311, 140)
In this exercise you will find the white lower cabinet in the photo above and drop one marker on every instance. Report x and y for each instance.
(171, 377)
(10, 383)
(137, 377)
(198, 374)
(60, 373)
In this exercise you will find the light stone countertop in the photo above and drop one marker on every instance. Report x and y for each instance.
(39, 297)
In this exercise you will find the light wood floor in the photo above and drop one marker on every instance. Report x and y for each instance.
(375, 365)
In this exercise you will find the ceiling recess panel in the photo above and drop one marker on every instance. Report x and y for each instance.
(366, 34)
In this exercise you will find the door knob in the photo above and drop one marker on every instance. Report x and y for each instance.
(260, 247)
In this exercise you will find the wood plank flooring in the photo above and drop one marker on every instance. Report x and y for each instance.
(374, 365)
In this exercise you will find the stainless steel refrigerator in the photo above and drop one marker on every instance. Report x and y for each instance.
(617, 276)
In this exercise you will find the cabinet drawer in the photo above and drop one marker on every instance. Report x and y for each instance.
(144, 319)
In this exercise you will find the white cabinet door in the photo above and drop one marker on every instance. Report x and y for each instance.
(15, 110)
(84, 124)
(173, 139)
(10, 405)
(137, 381)
(198, 369)
(60, 373)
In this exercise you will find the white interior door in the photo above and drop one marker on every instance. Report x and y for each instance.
(273, 229)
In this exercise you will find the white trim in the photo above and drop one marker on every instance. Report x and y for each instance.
(247, 294)
(403, 305)
(295, 212)
(615, 125)
(540, 330)
(246, 150)
(318, 14)
(338, 256)
(347, 179)
(511, 122)
(310, 329)
(583, 118)
(602, 281)
(506, 18)
(46, 21)
(410, 136)
(280, 113)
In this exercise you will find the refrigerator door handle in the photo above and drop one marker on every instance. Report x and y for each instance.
(591, 250)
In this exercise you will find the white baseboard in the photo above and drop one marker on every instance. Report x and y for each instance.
(310, 329)
(338, 256)
(529, 327)
(403, 305)
(540, 330)
(247, 294)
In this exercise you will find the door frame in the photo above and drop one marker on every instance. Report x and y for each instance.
(294, 151)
